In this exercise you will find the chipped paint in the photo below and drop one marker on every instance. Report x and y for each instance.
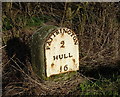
(73, 60)
(52, 65)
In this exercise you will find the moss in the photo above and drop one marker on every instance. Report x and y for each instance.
(37, 49)
(62, 76)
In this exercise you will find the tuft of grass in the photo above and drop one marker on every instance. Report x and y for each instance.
(62, 76)
(103, 86)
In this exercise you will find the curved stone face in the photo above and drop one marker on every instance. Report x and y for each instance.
(54, 50)
(38, 51)
(61, 52)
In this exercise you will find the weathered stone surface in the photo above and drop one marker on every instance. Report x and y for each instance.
(38, 51)
(54, 50)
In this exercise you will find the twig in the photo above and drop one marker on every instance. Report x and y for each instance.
(3, 47)
(64, 14)
(90, 81)
(29, 76)
(7, 61)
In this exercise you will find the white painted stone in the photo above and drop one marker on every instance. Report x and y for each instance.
(61, 52)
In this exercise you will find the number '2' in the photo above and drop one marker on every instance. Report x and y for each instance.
(62, 44)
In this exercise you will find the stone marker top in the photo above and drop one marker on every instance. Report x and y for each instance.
(43, 32)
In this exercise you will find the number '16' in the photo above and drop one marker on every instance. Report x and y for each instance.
(65, 68)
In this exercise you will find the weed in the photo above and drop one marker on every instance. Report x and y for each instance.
(101, 86)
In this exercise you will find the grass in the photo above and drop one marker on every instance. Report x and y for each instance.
(101, 87)
(62, 76)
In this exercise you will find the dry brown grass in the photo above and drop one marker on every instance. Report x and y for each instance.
(96, 24)
(16, 81)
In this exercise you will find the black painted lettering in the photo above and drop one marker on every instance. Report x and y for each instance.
(57, 32)
(65, 67)
(61, 31)
(72, 34)
(55, 57)
(64, 31)
(75, 37)
(51, 39)
(70, 55)
(49, 43)
(61, 56)
(65, 56)
(47, 48)
(60, 68)
(76, 42)
(62, 44)
(69, 32)
(54, 34)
